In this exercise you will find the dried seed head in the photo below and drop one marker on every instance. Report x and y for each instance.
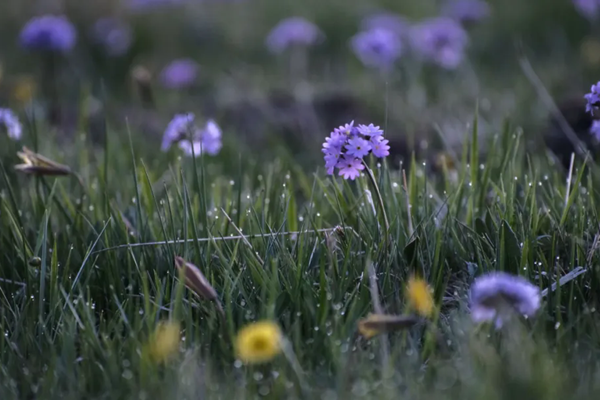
(376, 324)
(195, 280)
(36, 164)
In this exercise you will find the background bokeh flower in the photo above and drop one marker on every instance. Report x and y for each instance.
(440, 40)
(179, 74)
(49, 33)
(377, 47)
(10, 122)
(114, 35)
(293, 31)
(259, 342)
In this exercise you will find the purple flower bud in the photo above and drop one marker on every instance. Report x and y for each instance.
(179, 74)
(441, 41)
(294, 31)
(48, 33)
(207, 140)
(378, 48)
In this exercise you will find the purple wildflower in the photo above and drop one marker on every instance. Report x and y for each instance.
(466, 11)
(377, 47)
(11, 123)
(346, 130)
(206, 140)
(115, 36)
(588, 8)
(294, 31)
(370, 130)
(179, 74)
(358, 147)
(347, 145)
(379, 147)
(180, 127)
(593, 98)
(441, 41)
(386, 20)
(350, 168)
(496, 295)
(48, 33)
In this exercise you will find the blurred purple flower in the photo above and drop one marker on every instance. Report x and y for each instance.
(11, 123)
(179, 74)
(379, 147)
(350, 168)
(48, 33)
(440, 40)
(180, 127)
(207, 140)
(114, 35)
(466, 11)
(494, 296)
(595, 129)
(593, 99)
(378, 48)
(294, 31)
(347, 145)
(588, 8)
(386, 20)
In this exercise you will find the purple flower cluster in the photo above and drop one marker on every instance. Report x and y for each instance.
(593, 98)
(347, 145)
(11, 123)
(377, 47)
(179, 74)
(466, 11)
(588, 8)
(204, 140)
(494, 296)
(192, 140)
(440, 40)
(113, 35)
(48, 33)
(294, 31)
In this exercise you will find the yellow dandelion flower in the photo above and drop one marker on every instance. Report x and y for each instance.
(420, 297)
(164, 341)
(258, 342)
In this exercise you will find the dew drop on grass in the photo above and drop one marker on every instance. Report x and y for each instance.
(237, 364)
(258, 376)
(127, 374)
(557, 325)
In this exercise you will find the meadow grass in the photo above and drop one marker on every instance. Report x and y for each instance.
(87, 272)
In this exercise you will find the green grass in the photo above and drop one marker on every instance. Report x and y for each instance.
(77, 304)
(87, 266)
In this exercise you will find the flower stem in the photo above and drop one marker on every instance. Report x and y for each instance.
(379, 199)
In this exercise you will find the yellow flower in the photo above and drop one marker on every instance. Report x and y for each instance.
(24, 89)
(164, 342)
(258, 342)
(419, 296)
